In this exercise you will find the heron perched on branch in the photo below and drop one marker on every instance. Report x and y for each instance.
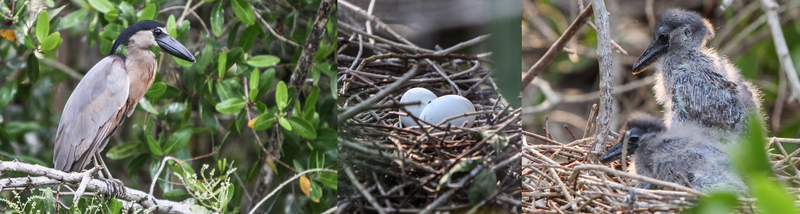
(693, 82)
(686, 153)
(109, 93)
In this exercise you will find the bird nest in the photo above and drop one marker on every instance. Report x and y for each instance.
(561, 177)
(424, 168)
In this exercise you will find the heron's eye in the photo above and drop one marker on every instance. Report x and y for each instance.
(633, 139)
(663, 38)
(157, 32)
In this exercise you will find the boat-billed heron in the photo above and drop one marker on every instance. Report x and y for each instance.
(693, 82)
(109, 93)
(687, 152)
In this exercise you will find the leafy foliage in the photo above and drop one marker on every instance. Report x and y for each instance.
(232, 104)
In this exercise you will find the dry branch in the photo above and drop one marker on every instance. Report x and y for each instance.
(606, 75)
(770, 8)
(557, 47)
(49, 176)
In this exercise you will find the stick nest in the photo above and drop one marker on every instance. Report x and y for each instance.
(561, 178)
(390, 168)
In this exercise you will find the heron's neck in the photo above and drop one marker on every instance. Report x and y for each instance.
(141, 66)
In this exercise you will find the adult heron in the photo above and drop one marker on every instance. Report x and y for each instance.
(109, 93)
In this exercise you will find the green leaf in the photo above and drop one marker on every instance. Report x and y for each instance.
(231, 106)
(249, 36)
(181, 62)
(281, 96)
(148, 13)
(328, 180)
(154, 146)
(156, 90)
(16, 128)
(264, 121)
(7, 92)
(101, 5)
(171, 92)
(265, 81)
(252, 171)
(463, 166)
(254, 85)
(303, 128)
(715, 203)
(42, 26)
(114, 206)
(285, 123)
(221, 68)
(233, 56)
(128, 12)
(176, 195)
(217, 19)
(51, 42)
(136, 164)
(205, 58)
(112, 15)
(751, 149)
(123, 150)
(243, 11)
(207, 115)
(499, 141)
(172, 27)
(32, 68)
(311, 100)
(261, 61)
(239, 122)
(771, 196)
(224, 91)
(316, 192)
(483, 185)
(232, 34)
(178, 140)
(147, 106)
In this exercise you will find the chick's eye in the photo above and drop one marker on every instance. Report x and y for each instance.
(633, 139)
(157, 32)
(663, 38)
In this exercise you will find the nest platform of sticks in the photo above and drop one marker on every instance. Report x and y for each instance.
(562, 178)
(386, 168)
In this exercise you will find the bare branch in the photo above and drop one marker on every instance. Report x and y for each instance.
(606, 76)
(556, 48)
(54, 176)
(770, 8)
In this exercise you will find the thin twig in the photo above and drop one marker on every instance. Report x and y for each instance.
(556, 47)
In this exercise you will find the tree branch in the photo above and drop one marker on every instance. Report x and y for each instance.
(312, 44)
(606, 76)
(773, 21)
(558, 46)
(50, 176)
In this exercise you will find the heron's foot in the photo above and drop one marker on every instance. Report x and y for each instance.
(116, 188)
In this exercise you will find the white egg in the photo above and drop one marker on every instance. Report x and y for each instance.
(449, 106)
(422, 95)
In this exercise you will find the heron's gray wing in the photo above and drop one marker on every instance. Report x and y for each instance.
(706, 97)
(91, 113)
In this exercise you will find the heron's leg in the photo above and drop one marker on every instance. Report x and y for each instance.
(97, 163)
(99, 159)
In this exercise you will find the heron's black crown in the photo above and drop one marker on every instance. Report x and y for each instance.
(128, 32)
